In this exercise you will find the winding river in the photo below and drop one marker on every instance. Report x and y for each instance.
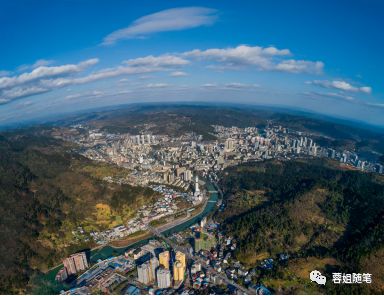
(108, 251)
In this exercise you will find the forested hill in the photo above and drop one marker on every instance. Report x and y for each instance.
(322, 216)
(46, 192)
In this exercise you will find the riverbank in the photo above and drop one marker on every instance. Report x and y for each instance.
(123, 243)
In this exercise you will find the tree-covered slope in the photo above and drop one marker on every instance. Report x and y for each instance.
(46, 192)
(307, 209)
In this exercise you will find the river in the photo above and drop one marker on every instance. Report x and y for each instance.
(109, 251)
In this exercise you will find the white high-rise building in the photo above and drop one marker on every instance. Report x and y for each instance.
(197, 189)
(144, 273)
(187, 175)
(229, 145)
(203, 222)
(154, 265)
(163, 278)
(196, 267)
(314, 150)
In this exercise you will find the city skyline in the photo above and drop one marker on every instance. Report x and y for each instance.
(82, 55)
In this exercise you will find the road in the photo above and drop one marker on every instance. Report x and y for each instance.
(198, 259)
(177, 222)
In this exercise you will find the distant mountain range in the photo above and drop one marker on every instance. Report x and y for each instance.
(174, 119)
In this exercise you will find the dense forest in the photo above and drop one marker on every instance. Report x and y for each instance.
(309, 209)
(46, 191)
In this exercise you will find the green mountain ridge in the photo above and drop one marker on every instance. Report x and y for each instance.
(309, 209)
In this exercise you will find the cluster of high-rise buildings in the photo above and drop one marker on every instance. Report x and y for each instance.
(175, 160)
(72, 265)
(163, 271)
(76, 263)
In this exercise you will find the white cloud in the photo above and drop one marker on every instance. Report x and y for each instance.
(20, 92)
(340, 96)
(89, 94)
(209, 85)
(42, 62)
(378, 105)
(38, 63)
(300, 66)
(331, 95)
(175, 19)
(142, 65)
(350, 99)
(178, 74)
(48, 78)
(366, 89)
(143, 77)
(264, 58)
(157, 85)
(238, 85)
(99, 75)
(157, 61)
(25, 104)
(44, 79)
(341, 85)
(43, 72)
(241, 55)
(231, 86)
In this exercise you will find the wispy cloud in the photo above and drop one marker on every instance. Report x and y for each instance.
(377, 105)
(157, 85)
(37, 81)
(94, 93)
(300, 66)
(45, 79)
(21, 92)
(343, 97)
(38, 63)
(44, 72)
(178, 74)
(238, 85)
(48, 78)
(157, 61)
(341, 85)
(263, 58)
(98, 75)
(231, 86)
(175, 19)
(330, 95)
(209, 85)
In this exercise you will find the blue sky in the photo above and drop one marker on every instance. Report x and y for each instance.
(64, 56)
